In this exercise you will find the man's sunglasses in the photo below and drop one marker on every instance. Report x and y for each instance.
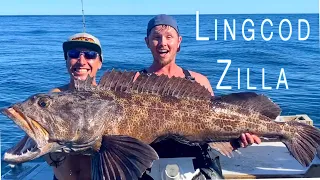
(75, 54)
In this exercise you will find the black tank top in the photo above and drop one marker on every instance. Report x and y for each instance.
(185, 72)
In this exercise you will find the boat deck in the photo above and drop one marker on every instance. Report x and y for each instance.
(267, 160)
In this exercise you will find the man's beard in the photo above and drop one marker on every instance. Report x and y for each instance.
(163, 62)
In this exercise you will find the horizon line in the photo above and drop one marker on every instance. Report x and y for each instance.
(178, 14)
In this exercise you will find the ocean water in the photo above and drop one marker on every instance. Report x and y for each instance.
(32, 57)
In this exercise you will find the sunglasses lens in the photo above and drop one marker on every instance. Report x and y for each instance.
(73, 54)
(90, 54)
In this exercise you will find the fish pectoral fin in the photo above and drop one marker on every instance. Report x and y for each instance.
(122, 157)
(224, 148)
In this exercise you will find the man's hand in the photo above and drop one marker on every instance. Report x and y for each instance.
(226, 148)
(248, 139)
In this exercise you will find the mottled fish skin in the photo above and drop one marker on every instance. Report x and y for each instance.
(148, 116)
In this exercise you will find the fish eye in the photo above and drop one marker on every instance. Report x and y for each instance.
(43, 102)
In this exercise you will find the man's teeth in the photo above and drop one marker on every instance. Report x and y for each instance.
(163, 51)
(81, 70)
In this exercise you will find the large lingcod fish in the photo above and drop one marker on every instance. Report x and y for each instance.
(116, 121)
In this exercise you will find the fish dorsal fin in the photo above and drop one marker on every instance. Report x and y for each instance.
(83, 85)
(116, 80)
(151, 83)
(253, 101)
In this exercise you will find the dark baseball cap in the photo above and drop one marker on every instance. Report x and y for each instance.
(162, 19)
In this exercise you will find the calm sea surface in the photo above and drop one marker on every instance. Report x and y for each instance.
(32, 57)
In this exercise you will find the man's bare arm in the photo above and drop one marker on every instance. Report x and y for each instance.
(203, 80)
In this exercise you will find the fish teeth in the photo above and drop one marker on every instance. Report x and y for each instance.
(13, 156)
(28, 146)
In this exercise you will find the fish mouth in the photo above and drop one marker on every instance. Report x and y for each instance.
(25, 150)
(33, 145)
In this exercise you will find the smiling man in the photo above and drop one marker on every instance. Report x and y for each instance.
(164, 41)
(83, 55)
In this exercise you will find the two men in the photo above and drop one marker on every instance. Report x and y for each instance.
(83, 54)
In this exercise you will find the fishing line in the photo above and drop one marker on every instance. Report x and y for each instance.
(83, 20)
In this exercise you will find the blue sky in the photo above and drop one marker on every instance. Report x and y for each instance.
(150, 7)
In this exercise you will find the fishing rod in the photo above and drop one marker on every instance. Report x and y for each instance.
(83, 20)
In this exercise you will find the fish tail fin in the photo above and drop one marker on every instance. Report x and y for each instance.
(303, 142)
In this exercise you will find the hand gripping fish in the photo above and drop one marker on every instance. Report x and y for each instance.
(116, 121)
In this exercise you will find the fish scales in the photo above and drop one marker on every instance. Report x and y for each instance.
(154, 116)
